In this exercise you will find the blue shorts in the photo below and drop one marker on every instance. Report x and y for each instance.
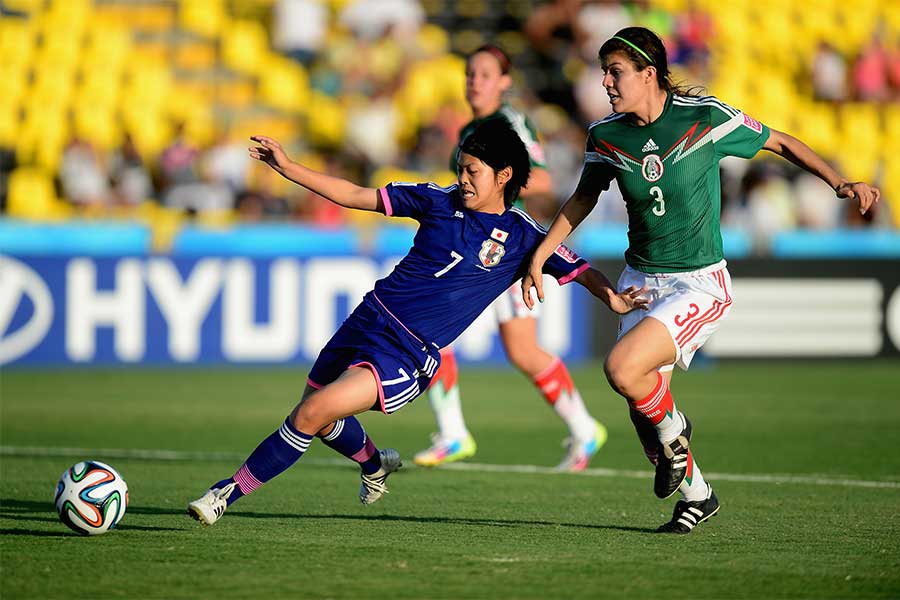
(372, 337)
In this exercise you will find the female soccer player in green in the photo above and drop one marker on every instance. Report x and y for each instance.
(663, 147)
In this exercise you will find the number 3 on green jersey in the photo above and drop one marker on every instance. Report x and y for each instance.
(668, 173)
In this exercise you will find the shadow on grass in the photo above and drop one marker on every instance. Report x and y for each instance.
(444, 520)
(30, 510)
(36, 533)
(17, 509)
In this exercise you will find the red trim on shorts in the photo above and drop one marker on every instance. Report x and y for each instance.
(715, 312)
(313, 384)
(372, 368)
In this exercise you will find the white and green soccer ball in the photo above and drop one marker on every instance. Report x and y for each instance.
(91, 497)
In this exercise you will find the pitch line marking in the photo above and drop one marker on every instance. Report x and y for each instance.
(177, 455)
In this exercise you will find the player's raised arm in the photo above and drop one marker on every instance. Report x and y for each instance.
(804, 157)
(340, 191)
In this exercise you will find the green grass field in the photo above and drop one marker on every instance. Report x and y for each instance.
(803, 457)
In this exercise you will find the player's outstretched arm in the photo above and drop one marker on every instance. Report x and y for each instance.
(619, 302)
(572, 213)
(340, 191)
(804, 157)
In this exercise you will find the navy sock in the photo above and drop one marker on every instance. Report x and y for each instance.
(272, 457)
(349, 438)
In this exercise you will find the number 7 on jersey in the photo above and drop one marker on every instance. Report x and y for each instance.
(456, 258)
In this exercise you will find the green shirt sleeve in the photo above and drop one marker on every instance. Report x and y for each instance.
(735, 133)
(597, 172)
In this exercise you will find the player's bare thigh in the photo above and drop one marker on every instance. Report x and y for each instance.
(355, 391)
(632, 363)
(520, 341)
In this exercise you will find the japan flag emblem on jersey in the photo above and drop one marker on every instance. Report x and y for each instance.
(491, 253)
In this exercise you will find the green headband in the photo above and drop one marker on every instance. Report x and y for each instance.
(638, 50)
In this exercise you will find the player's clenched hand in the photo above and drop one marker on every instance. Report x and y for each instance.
(866, 194)
(533, 279)
(627, 300)
(270, 152)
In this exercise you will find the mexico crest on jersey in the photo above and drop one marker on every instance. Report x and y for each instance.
(652, 167)
(491, 253)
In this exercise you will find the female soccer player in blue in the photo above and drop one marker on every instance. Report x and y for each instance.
(487, 80)
(471, 245)
(663, 147)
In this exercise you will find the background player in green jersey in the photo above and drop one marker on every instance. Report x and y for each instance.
(663, 147)
(487, 79)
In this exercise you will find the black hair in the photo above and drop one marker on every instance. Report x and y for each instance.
(495, 51)
(496, 144)
(640, 41)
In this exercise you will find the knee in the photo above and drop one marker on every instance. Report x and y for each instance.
(620, 373)
(309, 417)
(518, 356)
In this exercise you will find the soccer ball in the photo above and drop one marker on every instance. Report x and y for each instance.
(91, 497)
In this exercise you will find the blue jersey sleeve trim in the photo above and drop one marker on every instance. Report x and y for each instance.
(581, 269)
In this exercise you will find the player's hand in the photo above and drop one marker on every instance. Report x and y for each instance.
(533, 279)
(865, 194)
(270, 152)
(627, 300)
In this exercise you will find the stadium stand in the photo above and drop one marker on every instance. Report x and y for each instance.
(185, 82)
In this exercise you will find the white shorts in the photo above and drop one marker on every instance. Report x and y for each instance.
(691, 305)
(509, 305)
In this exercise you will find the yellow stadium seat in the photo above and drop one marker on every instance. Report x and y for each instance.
(26, 6)
(17, 41)
(107, 47)
(207, 18)
(860, 128)
(432, 40)
(148, 83)
(98, 124)
(9, 123)
(42, 134)
(284, 84)
(244, 46)
(327, 121)
(32, 196)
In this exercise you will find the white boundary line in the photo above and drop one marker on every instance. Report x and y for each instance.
(176, 455)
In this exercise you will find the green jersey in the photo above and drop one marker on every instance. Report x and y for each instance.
(668, 173)
(520, 124)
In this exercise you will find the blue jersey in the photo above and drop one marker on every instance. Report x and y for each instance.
(460, 261)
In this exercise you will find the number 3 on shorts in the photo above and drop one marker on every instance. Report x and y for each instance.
(657, 194)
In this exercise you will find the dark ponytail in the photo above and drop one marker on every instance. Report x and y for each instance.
(644, 48)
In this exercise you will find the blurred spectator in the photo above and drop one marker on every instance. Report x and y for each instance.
(177, 163)
(227, 162)
(893, 69)
(130, 179)
(372, 128)
(817, 206)
(371, 19)
(768, 202)
(83, 175)
(299, 28)
(829, 74)
(870, 73)
(181, 184)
